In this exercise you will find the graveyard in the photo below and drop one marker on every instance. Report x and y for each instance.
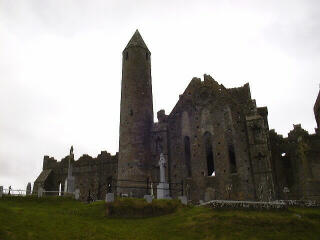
(65, 218)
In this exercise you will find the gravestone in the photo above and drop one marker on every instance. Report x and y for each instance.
(151, 189)
(286, 192)
(28, 190)
(40, 192)
(1, 191)
(163, 186)
(77, 194)
(110, 197)
(148, 198)
(183, 199)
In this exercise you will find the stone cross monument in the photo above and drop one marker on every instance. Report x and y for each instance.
(163, 186)
(69, 182)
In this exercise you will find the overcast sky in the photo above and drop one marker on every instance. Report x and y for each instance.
(60, 67)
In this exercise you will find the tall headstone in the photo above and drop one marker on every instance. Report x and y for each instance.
(69, 182)
(183, 200)
(77, 194)
(163, 186)
(151, 189)
(28, 190)
(148, 198)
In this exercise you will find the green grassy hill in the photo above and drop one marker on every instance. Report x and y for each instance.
(51, 218)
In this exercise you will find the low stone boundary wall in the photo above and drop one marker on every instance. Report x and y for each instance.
(300, 203)
(278, 204)
(244, 204)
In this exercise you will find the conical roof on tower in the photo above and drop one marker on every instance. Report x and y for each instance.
(136, 41)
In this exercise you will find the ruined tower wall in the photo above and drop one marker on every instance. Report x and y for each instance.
(297, 164)
(136, 116)
(208, 109)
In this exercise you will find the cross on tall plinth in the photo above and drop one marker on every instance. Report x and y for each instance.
(163, 186)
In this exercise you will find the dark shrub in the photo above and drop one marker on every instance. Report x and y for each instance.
(132, 207)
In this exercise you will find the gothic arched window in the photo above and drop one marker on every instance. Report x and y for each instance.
(232, 159)
(209, 153)
(187, 154)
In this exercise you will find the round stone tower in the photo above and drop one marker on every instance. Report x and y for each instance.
(136, 119)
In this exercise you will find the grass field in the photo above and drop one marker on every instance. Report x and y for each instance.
(51, 218)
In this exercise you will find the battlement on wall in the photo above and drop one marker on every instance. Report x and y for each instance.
(85, 159)
(49, 162)
(293, 135)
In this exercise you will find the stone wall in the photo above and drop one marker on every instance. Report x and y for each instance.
(216, 142)
(136, 117)
(208, 132)
(91, 174)
(296, 164)
(245, 205)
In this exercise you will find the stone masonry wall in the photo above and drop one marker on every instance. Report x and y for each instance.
(91, 174)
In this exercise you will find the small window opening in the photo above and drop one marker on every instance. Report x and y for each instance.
(127, 55)
(283, 154)
(147, 56)
(209, 154)
(158, 145)
(232, 159)
(131, 112)
(187, 155)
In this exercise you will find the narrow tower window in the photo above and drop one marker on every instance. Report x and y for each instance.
(232, 159)
(127, 55)
(209, 154)
(147, 56)
(187, 154)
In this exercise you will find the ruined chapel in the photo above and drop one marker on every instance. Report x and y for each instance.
(216, 142)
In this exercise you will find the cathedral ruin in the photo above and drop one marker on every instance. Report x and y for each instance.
(216, 143)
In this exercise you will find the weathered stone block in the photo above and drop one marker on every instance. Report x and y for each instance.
(183, 199)
(163, 191)
(110, 197)
(77, 194)
(148, 198)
